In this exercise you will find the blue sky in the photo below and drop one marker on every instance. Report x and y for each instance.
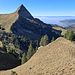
(40, 7)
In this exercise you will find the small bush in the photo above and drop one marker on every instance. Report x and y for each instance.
(3, 28)
(13, 73)
(0, 27)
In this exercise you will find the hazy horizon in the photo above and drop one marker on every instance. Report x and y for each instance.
(54, 19)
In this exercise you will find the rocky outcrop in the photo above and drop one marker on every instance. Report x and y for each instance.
(24, 12)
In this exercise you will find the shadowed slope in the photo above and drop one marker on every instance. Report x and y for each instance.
(7, 61)
(7, 20)
(24, 12)
(22, 23)
(57, 58)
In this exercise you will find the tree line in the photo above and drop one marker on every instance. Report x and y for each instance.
(22, 43)
(69, 35)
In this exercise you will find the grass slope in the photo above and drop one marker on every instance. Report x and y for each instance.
(6, 20)
(57, 58)
(63, 31)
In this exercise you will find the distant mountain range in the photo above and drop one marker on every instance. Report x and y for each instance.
(72, 27)
(59, 20)
(67, 22)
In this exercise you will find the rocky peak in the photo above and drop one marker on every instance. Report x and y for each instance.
(24, 12)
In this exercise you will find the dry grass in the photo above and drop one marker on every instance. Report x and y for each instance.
(57, 58)
(6, 20)
(61, 29)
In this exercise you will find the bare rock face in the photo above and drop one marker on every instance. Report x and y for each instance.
(24, 12)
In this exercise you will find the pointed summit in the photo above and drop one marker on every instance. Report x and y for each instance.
(24, 12)
(21, 7)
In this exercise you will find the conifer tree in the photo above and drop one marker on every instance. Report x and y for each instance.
(36, 48)
(71, 35)
(23, 60)
(41, 42)
(52, 39)
(13, 52)
(4, 48)
(30, 52)
(33, 52)
(66, 35)
(44, 40)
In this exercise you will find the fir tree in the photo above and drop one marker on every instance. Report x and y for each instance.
(69, 35)
(4, 48)
(41, 42)
(13, 52)
(36, 48)
(23, 60)
(44, 40)
(66, 35)
(30, 52)
(52, 39)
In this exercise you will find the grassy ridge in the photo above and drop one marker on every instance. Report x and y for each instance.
(6, 20)
(55, 58)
